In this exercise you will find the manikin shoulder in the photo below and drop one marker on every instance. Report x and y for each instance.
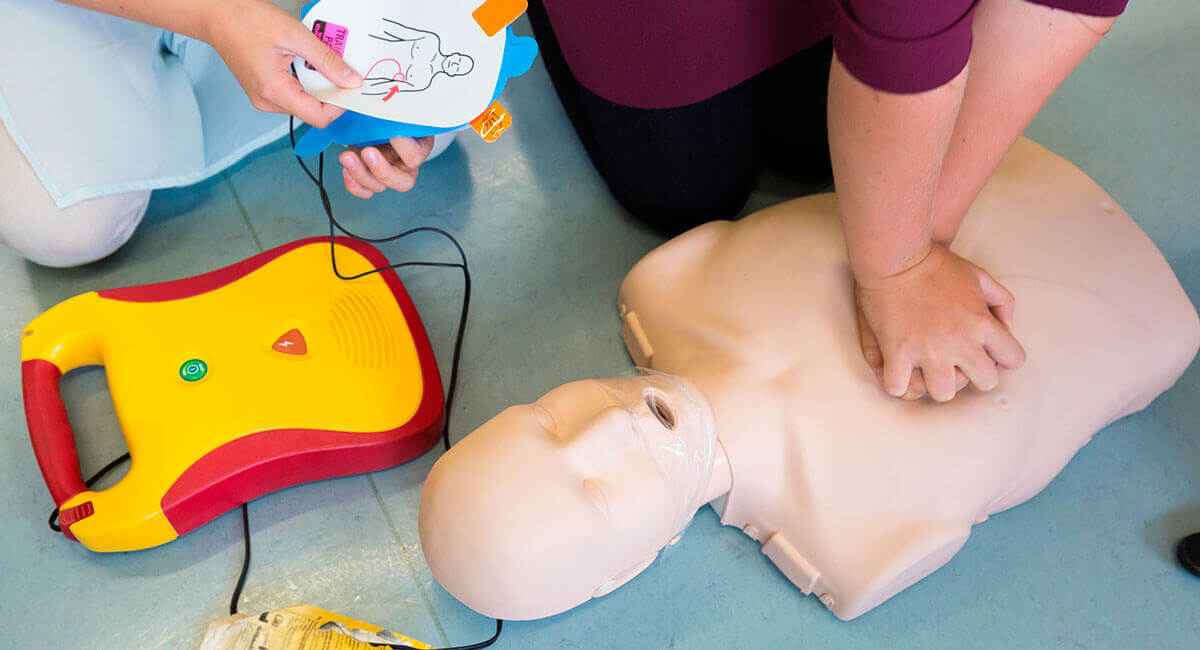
(873, 493)
(1041, 227)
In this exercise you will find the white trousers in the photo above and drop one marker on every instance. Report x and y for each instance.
(45, 234)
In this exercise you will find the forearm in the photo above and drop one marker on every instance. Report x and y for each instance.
(887, 152)
(189, 17)
(1022, 52)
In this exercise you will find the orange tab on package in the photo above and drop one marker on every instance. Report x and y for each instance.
(495, 15)
(492, 123)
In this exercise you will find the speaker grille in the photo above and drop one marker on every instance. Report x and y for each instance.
(365, 335)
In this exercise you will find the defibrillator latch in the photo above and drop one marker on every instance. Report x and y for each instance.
(74, 515)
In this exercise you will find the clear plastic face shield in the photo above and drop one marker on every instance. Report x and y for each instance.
(675, 428)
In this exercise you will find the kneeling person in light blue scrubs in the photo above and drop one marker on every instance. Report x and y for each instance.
(131, 96)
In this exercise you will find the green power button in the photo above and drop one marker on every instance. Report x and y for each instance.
(193, 370)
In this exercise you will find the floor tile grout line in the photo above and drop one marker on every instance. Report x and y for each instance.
(412, 571)
(237, 200)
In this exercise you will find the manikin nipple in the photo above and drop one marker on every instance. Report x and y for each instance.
(596, 496)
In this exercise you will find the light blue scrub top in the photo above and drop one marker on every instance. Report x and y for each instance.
(101, 105)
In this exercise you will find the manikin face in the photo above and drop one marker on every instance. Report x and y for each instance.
(457, 65)
(552, 503)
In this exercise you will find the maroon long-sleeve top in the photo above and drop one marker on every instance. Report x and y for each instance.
(665, 53)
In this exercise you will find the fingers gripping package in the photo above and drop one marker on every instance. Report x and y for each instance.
(428, 67)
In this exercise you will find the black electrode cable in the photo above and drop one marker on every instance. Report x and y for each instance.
(335, 227)
(241, 581)
(53, 521)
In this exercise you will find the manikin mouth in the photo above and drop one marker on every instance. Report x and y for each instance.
(678, 430)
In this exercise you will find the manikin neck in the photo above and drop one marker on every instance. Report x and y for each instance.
(721, 480)
(438, 63)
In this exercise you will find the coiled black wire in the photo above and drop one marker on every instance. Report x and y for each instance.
(335, 227)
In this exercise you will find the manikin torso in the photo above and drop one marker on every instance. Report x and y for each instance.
(852, 494)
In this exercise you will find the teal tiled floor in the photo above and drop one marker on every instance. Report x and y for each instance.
(1085, 565)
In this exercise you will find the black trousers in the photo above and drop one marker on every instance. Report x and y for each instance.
(676, 168)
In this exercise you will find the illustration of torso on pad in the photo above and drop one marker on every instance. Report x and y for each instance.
(429, 64)
(413, 63)
(760, 403)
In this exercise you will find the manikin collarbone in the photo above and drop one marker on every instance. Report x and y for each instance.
(854, 495)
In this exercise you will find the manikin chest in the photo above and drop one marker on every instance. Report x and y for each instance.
(853, 495)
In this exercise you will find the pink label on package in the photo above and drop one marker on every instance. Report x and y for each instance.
(332, 35)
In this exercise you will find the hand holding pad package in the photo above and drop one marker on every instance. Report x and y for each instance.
(428, 66)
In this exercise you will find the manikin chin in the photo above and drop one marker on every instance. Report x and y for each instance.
(757, 401)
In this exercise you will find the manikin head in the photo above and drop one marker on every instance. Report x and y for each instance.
(552, 503)
(458, 64)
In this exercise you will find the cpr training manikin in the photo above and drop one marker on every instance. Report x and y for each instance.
(756, 399)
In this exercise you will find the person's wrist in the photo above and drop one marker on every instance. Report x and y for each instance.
(944, 237)
(918, 263)
(214, 16)
(945, 229)
(220, 16)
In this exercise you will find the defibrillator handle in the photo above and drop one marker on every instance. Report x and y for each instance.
(50, 430)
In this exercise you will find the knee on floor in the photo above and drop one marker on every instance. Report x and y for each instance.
(77, 235)
(673, 205)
